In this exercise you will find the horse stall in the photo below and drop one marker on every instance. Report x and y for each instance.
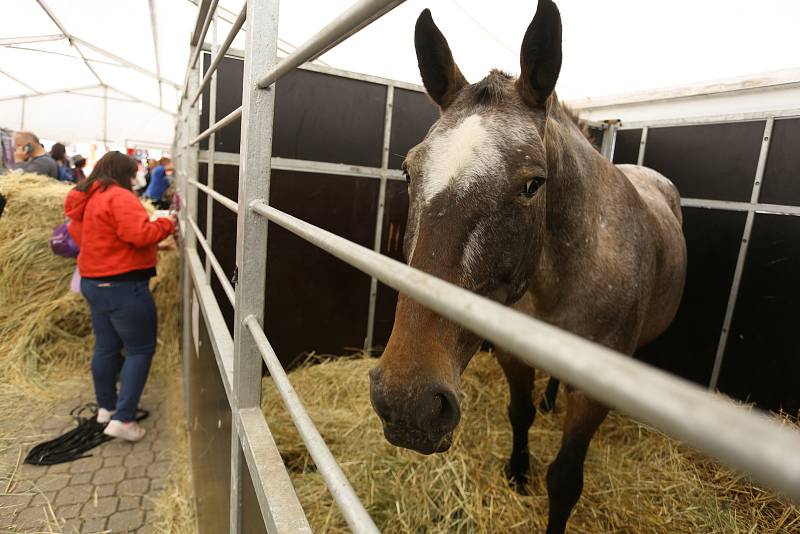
(737, 175)
(294, 216)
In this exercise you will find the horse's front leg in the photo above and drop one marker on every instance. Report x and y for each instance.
(565, 474)
(521, 412)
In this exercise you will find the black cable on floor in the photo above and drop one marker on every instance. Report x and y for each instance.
(73, 445)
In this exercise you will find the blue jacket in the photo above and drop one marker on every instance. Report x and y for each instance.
(158, 183)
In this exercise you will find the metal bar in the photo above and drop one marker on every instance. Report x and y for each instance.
(221, 340)
(220, 272)
(123, 61)
(22, 115)
(219, 197)
(70, 38)
(46, 93)
(137, 99)
(212, 116)
(240, 20)
(258, 107)
(609, 139)
(348, 502)
(280, 508)
(642, 146)
(340, 169)
(152, 8)
(740, 261)
(25, 85)
(748, 441)
(206, 23)
(202, 10)
(714, 119)
(9, 41)
(220, 124)
(318, 167)
(105, 116)
(376, 246)
(776, 209)
(359, 15)
(51, 52)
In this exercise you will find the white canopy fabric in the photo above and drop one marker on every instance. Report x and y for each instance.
(115, 76)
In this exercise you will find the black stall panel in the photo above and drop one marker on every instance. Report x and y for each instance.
(782, 174)
(230, 74)
(714, 161)
(412, 116)
(316, 302)
(329, 118)
(223, 242)
(762, 358)
(689, 345)
(209, 437)
(626, 146)
(395, 212)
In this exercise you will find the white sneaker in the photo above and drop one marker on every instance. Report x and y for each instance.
(130, 431)
(104, 416)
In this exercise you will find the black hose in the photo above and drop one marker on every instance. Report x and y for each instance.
(73, 445)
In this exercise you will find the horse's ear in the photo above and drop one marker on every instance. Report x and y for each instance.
(440, 74)
(540, 57)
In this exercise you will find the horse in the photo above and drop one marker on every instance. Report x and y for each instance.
(509, 200)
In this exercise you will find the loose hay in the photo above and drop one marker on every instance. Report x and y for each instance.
(636, 480)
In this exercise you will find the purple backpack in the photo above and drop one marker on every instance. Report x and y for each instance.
(62, 244)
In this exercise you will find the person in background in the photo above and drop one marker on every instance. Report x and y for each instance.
(59, 154)
(79, 162)
(30, 155)
(159, 182)
(150, 164)
(118, 257)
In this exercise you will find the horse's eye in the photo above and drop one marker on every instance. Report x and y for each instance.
(533, 185)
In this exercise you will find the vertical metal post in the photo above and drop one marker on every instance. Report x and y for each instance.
(105, 116)
(212, 118)
(186, 167)
(609, 139)
(251, 229)
(373, 285)
(737, 274)
(642, 146)
(22, 115)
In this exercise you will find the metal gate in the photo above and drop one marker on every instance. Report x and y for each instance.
(748, 441)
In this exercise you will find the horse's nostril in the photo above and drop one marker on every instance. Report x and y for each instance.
(442, 412)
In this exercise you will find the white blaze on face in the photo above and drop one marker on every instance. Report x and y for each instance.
(459, 157)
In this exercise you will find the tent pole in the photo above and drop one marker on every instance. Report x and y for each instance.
(68, 36)
(22, 115)
(105, 117)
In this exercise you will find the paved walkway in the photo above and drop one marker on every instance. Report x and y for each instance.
(114, 490)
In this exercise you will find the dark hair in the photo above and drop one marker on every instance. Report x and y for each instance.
(113, 168)
(58, 152)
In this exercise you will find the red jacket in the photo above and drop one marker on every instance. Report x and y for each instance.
(113, 230)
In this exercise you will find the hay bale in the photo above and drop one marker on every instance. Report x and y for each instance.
(636, 479)
(43, 326)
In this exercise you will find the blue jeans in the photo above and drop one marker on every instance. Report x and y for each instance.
(123, 314)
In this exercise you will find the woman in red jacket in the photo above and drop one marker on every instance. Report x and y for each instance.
(117, 258)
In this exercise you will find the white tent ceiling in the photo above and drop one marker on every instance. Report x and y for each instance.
(136, 51)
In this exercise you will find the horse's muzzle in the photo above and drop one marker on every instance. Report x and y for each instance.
(416, 440)
(420, 416)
